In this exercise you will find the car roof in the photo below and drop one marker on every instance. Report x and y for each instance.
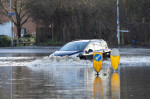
(92, 40)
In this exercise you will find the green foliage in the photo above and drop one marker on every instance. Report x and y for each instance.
(25, 40)
(5, 41)
(27, 35)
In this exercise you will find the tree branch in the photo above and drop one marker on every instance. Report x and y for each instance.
(23, 15)
(3, 7)
(25, 21)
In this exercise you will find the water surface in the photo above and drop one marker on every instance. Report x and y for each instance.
(37, 76)
(74, 82)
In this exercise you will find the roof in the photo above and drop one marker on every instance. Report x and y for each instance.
(90, 40)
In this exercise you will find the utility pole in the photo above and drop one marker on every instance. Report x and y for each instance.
(11, 24)
(118, 25)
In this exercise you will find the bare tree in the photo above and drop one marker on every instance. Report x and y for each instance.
(1, 16)
(18, 7)
(87, 19)
(75, 19)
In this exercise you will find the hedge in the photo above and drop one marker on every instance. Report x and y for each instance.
(5, 41)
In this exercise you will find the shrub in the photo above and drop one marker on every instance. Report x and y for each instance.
(27, 35)
(26, 39)
(5, 41)
(15, 41)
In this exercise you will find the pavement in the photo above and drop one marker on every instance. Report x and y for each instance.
(32, 47)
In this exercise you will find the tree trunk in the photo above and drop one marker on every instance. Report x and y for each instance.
(19, 31)
(64, 34)
(52, 30)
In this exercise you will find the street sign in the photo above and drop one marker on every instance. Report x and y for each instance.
(97, 61)
(11, 14)
(115, 58)
(117, 20)
(124, 30)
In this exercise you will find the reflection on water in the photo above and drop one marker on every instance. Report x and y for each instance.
(46, 83)
(135, 82)
(107, 91)
(72, 82)
(115, 86)
(98, 88)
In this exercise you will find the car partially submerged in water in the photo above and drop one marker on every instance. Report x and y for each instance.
(83, 49)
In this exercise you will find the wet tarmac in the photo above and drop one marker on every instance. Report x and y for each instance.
(60, 81)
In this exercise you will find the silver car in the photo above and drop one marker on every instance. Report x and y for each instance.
(84, 49)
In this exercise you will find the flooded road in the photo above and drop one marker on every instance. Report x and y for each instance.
(42, 77)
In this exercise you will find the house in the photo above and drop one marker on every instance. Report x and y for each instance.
(5, 29)
(28, 28)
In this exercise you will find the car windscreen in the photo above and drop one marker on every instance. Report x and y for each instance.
(74, 46)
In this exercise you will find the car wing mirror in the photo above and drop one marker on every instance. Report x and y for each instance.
(90, 50)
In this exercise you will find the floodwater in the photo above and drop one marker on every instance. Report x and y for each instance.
(37, 76)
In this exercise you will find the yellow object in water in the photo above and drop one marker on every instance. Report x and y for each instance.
(97, 61)
(114, 61)
(115, 86)
(98, 88)
(115, 58)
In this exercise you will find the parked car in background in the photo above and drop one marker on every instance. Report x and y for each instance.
(84, 49)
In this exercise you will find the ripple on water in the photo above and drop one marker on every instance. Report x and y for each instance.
(71, 61)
